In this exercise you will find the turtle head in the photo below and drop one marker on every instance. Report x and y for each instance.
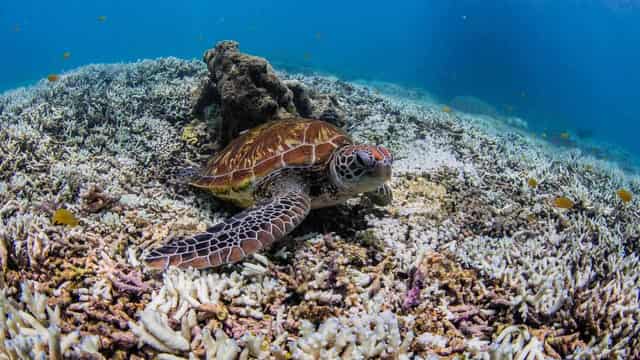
(360, 168)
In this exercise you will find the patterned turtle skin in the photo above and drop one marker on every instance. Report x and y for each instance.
(277, 172)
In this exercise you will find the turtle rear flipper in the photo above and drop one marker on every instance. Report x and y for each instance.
(237, 237)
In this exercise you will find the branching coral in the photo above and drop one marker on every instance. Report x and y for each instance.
(33, 331)
(360, 336)
(225, 299)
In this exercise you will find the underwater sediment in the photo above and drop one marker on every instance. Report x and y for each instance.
(470, 259)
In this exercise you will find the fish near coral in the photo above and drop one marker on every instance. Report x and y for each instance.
(53, 77)
(64, 217)
(533, 183)
(565, 135)
(624, 195)
(278, 171)
(563, 202)
(446, 109)
(66, 55)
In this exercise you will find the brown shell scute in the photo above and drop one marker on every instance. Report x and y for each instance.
(269, 147)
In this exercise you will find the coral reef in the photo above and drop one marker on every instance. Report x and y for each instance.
(468, 261)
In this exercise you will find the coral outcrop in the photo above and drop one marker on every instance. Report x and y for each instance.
(243, 91)
(246, 89)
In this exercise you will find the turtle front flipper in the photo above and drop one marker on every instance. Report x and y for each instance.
(235, 238)
(382, 196)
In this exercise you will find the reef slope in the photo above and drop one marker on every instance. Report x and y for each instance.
(469, 259)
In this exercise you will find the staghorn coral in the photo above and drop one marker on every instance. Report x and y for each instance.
(360, 336)
(30, 329)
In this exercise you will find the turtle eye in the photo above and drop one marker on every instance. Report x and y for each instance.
(365, 159)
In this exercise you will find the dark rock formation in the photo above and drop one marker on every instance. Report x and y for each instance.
(301, 97)
(327, 108)
(313, 105)
(245, 88)
(246, 92)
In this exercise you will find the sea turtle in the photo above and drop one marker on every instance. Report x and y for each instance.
(277, 171)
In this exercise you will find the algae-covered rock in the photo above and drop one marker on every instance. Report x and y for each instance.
(245, 87)
(247, 92)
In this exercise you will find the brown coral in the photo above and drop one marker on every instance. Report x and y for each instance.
(246, 89)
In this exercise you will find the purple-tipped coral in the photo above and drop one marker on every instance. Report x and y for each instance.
(412, 298)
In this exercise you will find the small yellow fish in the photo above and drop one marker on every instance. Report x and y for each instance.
(624, 195)
(533, 183)
(66, 55)
(563, 202)
(564, 135)
(446, 109)
(102, 18)
(53, 77)
(64, 217)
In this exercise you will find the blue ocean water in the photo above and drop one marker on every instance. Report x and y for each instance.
(568, 65)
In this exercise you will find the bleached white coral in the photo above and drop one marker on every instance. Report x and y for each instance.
(111, 219)
(360, 336)
(186, 290)
(425, 155)
(32, 332)
(515, 342)
(219, 345)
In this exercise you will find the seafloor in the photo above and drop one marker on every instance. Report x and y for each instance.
(468, 262)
